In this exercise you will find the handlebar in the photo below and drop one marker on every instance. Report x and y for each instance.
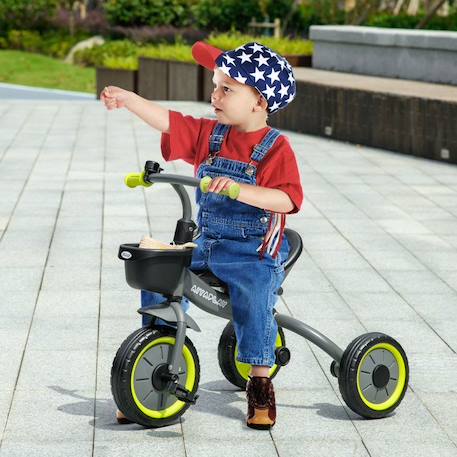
(138, 179)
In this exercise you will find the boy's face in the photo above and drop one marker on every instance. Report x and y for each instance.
(233, 101)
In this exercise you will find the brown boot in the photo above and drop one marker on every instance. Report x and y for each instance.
(261, 403)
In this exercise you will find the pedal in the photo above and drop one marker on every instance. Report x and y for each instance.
(185, 395)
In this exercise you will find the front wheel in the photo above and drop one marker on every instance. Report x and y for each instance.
(373, 375)
(138, 388)
(237, 372)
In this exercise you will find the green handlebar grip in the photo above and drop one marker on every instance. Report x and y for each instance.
(136, 179)
(232, 192)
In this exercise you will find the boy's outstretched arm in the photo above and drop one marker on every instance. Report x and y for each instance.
(262, 197)
(153, 114)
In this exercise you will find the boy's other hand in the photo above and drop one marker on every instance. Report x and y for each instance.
(220, 183)
(114, 97)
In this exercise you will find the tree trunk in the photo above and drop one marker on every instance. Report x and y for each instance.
(413, 7)
(398, 6)
(430, 14)
(285, 21)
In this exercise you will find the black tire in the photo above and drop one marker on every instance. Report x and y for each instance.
(162, 408)
(234, 371)
(373, 375)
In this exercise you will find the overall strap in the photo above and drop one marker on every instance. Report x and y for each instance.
(261, 149)
(217, 137)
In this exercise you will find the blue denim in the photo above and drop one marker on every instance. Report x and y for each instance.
(231, 233)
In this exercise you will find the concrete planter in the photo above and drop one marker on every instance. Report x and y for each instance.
(406, 124)
(127, 79)
(153, 78)
(422, 55)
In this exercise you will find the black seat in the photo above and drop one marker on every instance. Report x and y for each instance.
(296, 248)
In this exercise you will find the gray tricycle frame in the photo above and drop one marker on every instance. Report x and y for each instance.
(215, 301)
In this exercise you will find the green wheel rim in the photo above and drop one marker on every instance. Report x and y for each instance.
(244, 369)
(143, 393)
(380, 356)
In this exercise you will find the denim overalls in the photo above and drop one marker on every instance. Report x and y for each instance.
(231, 235)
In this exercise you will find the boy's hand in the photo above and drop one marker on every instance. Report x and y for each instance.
(114, 97)
(220, 183)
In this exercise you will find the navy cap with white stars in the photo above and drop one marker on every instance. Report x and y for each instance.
(255, 65)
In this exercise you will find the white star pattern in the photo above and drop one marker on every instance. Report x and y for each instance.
(274, 106)
(230, 60)
(256, 47)
(258, 74)
(225, 69)
(283, 91)
(274, 76)
(269, 92)
(245, 57)
(262, 60)
(240, 79)
(252, 64)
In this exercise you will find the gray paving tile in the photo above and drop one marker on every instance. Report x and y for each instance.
(63, 414)
(63, 334)
(315, 447)
(366, 280)
(72, 277)
(379, 306)
(417, 281)
(419, 449)
(45, 448)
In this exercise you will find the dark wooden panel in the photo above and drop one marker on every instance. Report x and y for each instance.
(126, 79)
(153, 78)
(184, 81)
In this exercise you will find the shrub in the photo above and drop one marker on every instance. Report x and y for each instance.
(95, 22)
(58, 44)
(121, 63)
(24, 40)
(149, 12)
(225, 15)
(26, 14)
(161, 34)
(51, 43)
(282, 46)
(409, 22)
(179, 52)
(95, 56)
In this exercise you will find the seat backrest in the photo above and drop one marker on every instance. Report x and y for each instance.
(296, 248)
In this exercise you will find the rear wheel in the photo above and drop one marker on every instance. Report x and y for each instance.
(373, 375)
(137, 384)
(237, 372)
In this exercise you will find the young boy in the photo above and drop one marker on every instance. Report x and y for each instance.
(241, 241)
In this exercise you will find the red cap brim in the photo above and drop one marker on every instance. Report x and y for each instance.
(205, 54)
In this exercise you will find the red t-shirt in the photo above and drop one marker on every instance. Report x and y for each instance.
(189, 140)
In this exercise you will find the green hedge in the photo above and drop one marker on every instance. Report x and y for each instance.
(54, 44)
(149, 12)
(26, 14)
(282, 46)
(409, 22)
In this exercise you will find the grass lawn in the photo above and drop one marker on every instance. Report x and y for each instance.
(17, 67)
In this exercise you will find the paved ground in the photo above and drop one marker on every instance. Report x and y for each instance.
(380, 236)
(18, 92)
